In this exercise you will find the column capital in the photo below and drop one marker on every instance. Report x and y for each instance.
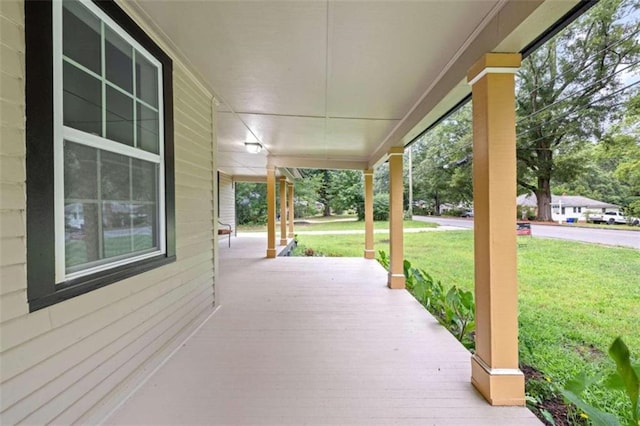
(494, 63)
(367, 172)
(395, 150)
(282, 178)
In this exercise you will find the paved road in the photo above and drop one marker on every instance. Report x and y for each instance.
(612, 237)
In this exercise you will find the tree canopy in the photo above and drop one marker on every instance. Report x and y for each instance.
(569, 91)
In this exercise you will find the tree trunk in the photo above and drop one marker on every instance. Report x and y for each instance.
(543, 195)
(327, 210)
(437, 205)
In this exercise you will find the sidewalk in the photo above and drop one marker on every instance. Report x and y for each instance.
(358, 231)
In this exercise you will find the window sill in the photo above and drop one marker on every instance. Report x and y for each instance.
(79, 286)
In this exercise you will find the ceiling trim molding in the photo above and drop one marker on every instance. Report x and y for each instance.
(291, 173)
(492, 70)
(248, 178)
(318, 163)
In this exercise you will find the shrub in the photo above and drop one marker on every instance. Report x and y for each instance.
(530, 212)
(422, 211)
(454, 212)
(453, 308)
(381, 207)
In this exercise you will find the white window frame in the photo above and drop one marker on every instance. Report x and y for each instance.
(62, 133)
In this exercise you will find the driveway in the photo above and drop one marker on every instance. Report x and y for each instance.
(611, 237)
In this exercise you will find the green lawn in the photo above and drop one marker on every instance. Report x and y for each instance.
(574, 298)
(338, 226)
(602, 226)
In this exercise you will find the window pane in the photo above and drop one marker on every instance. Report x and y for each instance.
(116, 221)
(144, 219)
(146, 80)
(114, 177)
(81, 35)
(82, 100)
(145, 178)
(119, 117)
(82, 244)
(80, 172)
(148, 129)
(119, 62)
(111, 200)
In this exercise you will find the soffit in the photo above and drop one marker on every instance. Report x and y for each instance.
(324, 80)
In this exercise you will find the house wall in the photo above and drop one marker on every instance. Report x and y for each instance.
(556, 212)
(75, 360)
(227, 200)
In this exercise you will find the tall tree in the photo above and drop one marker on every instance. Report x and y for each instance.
(381, 179)
(568, 91)
(347, 191)
(323, 189)
(251, 203)
(306, 195)
(442, 171)
(336, 189)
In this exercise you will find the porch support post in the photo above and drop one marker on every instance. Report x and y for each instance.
(494, 366)
(291, 210)
(369, 252)
(283, 211)
(271, 212)
(396, 269)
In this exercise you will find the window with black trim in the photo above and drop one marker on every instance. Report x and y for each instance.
(100, 192)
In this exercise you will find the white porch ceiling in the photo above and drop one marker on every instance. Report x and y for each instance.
(337, 83)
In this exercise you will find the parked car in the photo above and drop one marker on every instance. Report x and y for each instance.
(612, 218)
(467, 213)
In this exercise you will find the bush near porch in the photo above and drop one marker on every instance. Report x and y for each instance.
(574, 299)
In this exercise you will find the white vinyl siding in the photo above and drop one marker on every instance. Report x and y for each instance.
(13, 289)
(73, 361)
(227, 200)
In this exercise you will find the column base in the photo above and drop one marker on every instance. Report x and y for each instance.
(369, 254)
(284, 242)
(396, 281)
(499, 386)
(271, 253)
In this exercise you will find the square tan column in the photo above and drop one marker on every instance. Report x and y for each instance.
(291, 210)
(494, 366)
(396, 240)
(369, 252)
(283, 211)
(271, 212)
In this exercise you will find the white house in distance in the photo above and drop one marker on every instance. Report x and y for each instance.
(565, 207)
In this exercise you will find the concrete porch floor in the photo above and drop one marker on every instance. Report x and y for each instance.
(314, 341)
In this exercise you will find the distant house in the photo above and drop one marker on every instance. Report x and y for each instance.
(565, 207)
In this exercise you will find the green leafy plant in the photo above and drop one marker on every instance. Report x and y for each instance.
(453, 308)
(625, 378)
(538, 391)
(383, 259)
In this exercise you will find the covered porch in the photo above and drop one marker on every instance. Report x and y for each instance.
(313, 341)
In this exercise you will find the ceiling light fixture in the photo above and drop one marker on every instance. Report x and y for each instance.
(253, 147)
